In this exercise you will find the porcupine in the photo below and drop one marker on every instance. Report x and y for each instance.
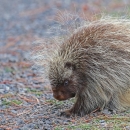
(93, 65)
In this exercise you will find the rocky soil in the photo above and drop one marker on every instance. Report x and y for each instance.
(26, 101)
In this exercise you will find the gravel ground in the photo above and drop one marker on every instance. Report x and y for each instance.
(26, 101)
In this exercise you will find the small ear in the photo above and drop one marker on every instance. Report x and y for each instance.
(69, 65)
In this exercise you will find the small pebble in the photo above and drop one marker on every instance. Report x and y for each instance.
(20, 121)
(2, 91)
(102, 121)
(106, 111)
(7, 88)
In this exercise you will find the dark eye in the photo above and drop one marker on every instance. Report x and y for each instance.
(66, 83)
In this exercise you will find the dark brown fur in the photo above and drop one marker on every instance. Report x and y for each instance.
(94, 66)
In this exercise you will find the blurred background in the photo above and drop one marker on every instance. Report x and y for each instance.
(21, 23)
(31, 18)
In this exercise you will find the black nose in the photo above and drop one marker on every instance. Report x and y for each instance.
(73, 94)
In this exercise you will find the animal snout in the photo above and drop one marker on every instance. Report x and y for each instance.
(59, 95)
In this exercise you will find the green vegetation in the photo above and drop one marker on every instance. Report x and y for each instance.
(34, 91)
(7, 102)
(56, 102)
(9, 69)
(81, 126)
(18, 102)
(99, 123)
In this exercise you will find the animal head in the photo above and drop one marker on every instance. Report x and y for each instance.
(63, 79)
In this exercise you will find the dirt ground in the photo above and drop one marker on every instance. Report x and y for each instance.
(26, 101)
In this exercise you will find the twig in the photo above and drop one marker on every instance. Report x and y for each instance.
(25, 112)
(95, 110)
(5, 127)
(26, 99)
(114, 118)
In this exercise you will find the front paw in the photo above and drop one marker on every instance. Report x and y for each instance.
(66, 113)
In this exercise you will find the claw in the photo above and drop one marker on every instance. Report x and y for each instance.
(66, 113)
